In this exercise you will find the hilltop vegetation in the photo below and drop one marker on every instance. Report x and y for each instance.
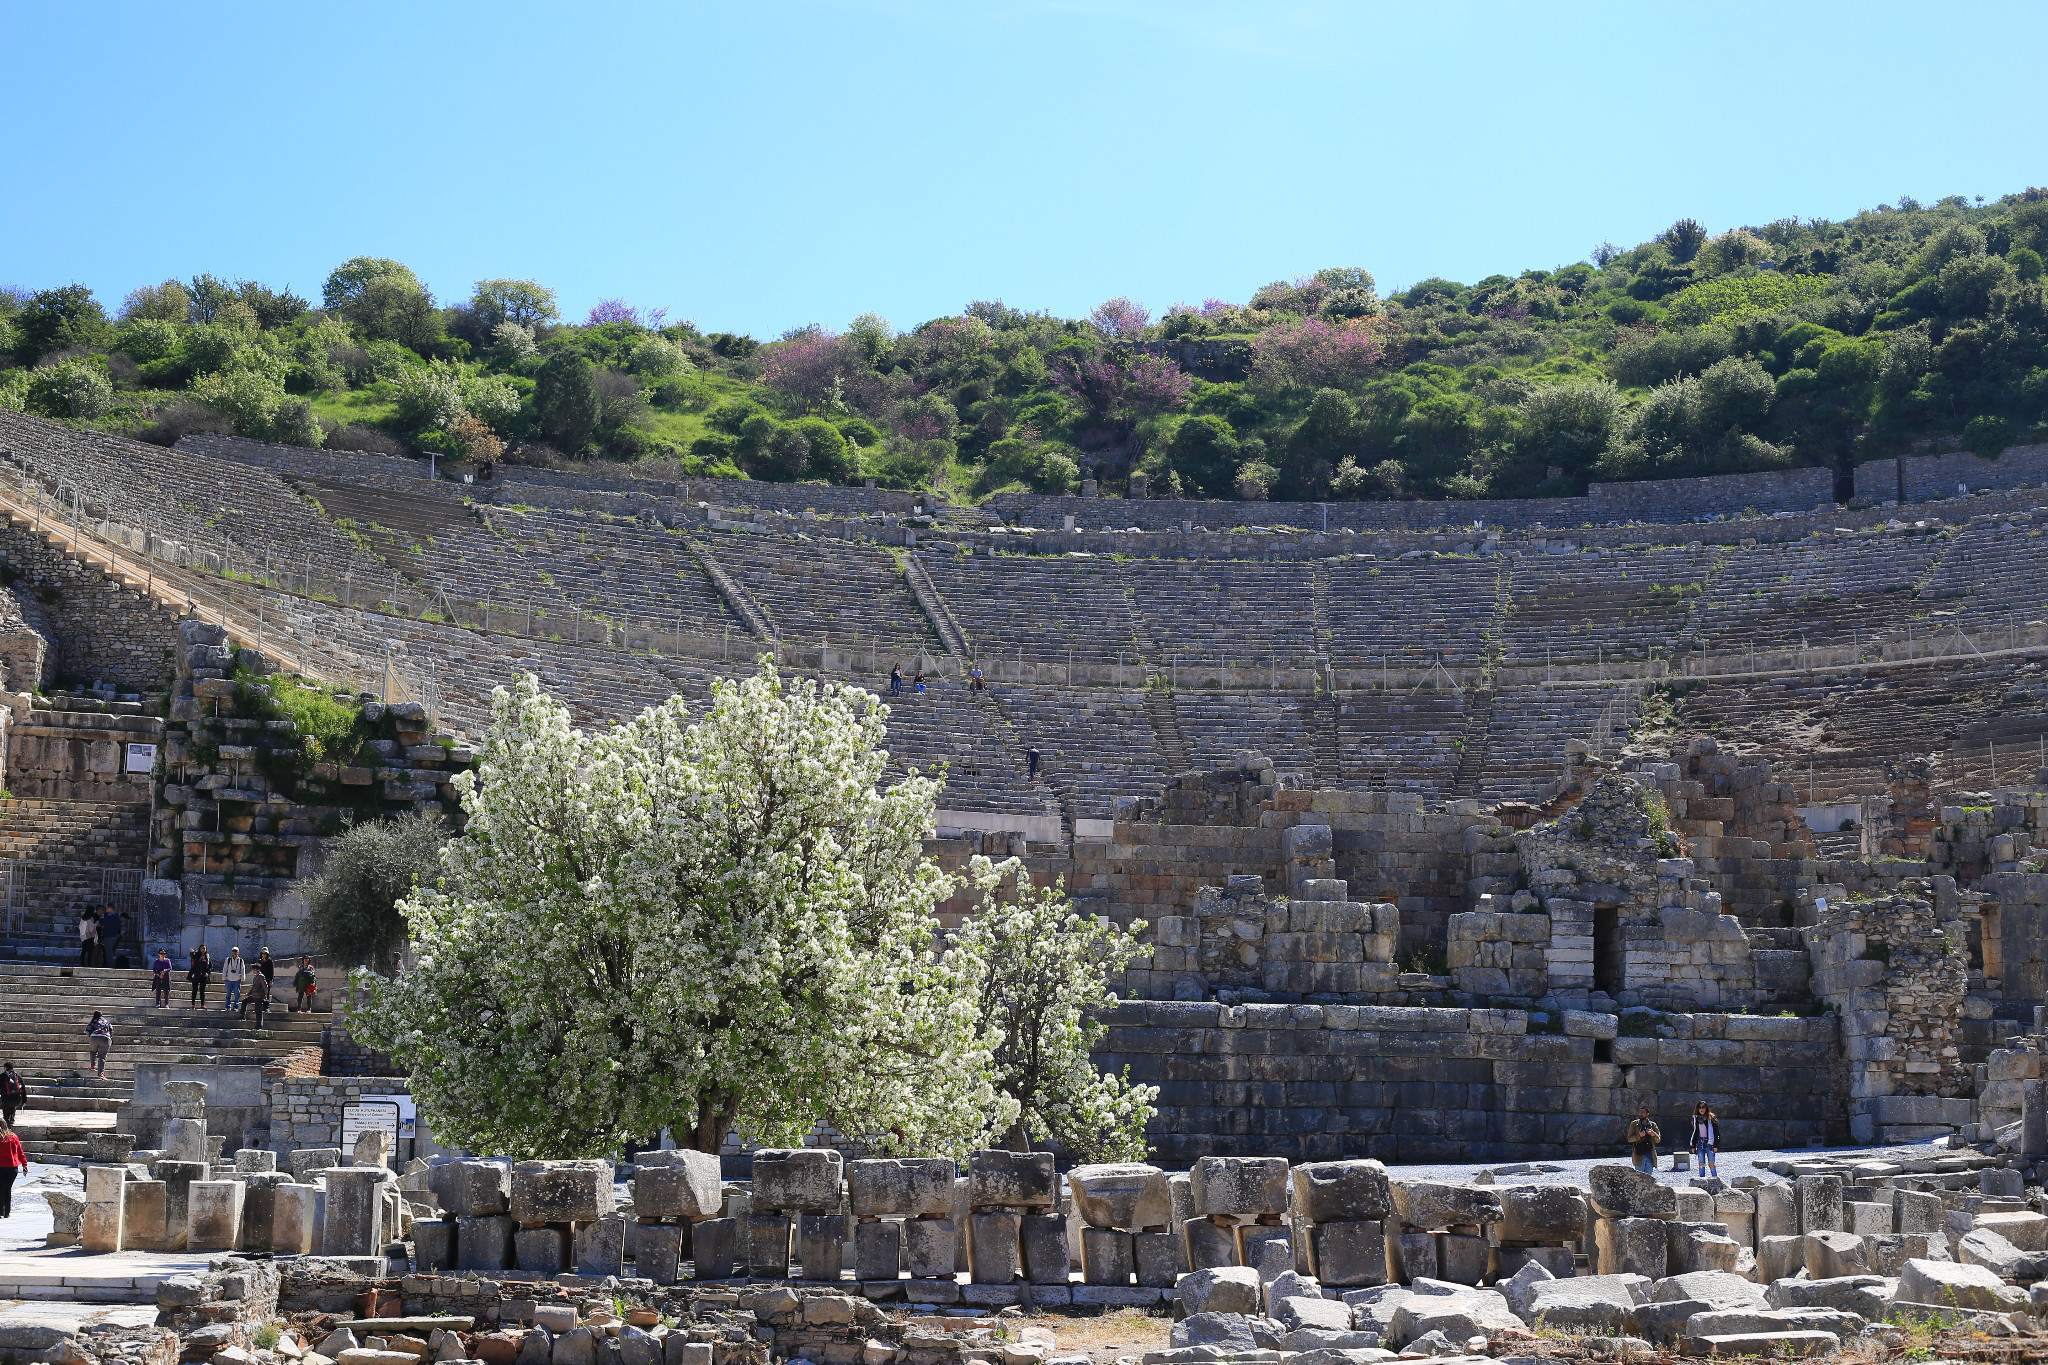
(1793, 343)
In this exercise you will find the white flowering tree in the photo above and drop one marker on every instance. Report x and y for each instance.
(702, 926)
(1044, 967)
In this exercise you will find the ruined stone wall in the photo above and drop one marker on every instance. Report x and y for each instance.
(1897, 973)
(76, 749)
(102, 631)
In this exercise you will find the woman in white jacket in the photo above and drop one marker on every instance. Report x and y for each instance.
(233, 973)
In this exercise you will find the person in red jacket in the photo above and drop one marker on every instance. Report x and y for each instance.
(13, 1161)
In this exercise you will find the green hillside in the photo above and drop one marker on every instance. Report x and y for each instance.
(1790, 343)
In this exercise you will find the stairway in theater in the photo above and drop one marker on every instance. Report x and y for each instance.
(43, 1013)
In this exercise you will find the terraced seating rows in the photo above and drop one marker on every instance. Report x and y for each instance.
(1241, 614)
(1411, 610)
(1401, 739)
(1045, 608)
(1994, 574)
(1094, 744)
(1281, 725)
(1528, 731)
(848, 594)
(1578, 608)
(1844, 728)
(190, 497)
(396, 473)
(1826, 593)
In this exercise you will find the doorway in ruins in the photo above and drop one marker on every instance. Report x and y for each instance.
(1607, 949)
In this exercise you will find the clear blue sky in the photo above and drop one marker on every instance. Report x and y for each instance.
(759, 166)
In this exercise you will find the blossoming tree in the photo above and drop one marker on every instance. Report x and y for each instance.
(702, 926)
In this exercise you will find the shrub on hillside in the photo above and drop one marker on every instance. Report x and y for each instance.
(69, 388)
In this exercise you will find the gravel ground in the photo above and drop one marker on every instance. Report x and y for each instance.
(1732, 1165)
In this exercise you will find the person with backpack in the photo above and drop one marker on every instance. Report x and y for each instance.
(101, 1032)
(233, 973)
(199, 973)
(13, 1093)
(160, 977)
(305, 983)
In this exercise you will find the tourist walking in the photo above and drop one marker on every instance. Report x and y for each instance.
(160, 977)
(896, 680)
(305, 983)
(101, 1032)
(268, 966)
(1643, 1137)
(88, 936)
(110, 938)
(199, 973)
(259, 996)
(233, 973)
(1706, 1137)
(13, 1161)
(974, 682)
(13, 1093)
(1031, 761)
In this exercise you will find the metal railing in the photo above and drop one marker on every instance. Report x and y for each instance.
(40, 893)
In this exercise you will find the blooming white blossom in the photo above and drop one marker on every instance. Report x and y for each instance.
(711, 926)
(1045, 966)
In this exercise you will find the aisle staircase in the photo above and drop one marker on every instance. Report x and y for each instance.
(43, 1014)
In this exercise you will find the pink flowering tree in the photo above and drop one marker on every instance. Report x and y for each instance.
(1313, 354)
(611, 310)
(809, 367)
(1121, 319)
(1120, 389)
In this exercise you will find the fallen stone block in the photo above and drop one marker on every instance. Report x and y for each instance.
(1230, 1289)
(1625, 1192)
(1458, 1317)
(2025, 1230)
(1864, 1295)
(1342, 1191)
(1956, 1285)
(1767, 1344)
(1121, 1195)
(797, 1180)
(1297, 1312)
(1011, 1179)
(562, 1191)
(912, 1187)
(1542, 1213)
(1438, 1204)
(1238, 1185)
(1831, 1255)
(1589, 1303)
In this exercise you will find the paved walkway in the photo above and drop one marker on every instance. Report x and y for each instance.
(31, 1272)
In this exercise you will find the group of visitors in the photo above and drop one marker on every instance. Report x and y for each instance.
(245, 985)
(975, 682)
(99, 938)
(1704, 1140)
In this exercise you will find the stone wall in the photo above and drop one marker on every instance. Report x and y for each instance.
(1654, 500)
(1317, 1082)
(76, 749)
(305, 1111)
(1921, 478)
(1896, 972)
(101, 631)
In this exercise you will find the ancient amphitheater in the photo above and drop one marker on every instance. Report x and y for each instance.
(1458, 828)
